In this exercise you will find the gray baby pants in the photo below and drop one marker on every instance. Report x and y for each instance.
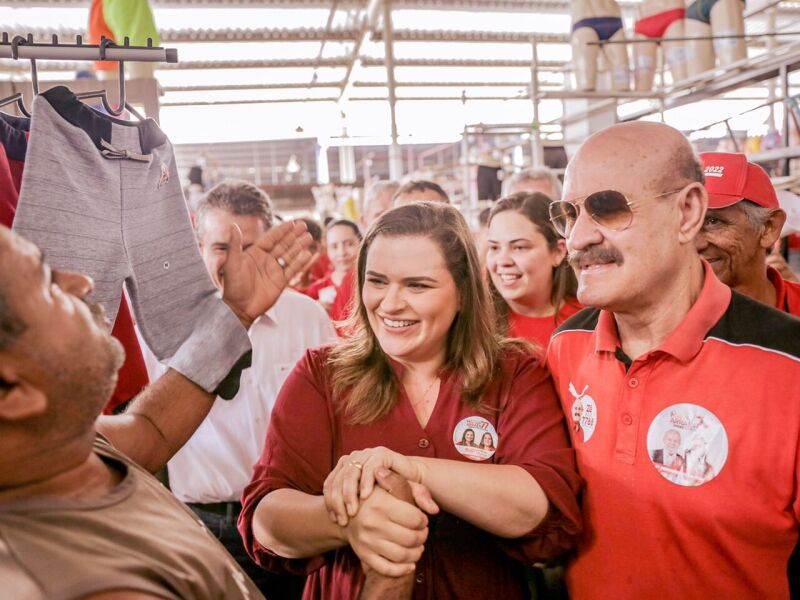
(102, 197)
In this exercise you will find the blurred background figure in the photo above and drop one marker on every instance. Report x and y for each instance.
(419, 190)
(334, 291)
(532, 285)
(535, 179)
(377, 200)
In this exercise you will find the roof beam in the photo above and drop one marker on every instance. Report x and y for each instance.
(554, 6)
(175, 36)
(337, 84)
(197, 3)
(10, 66)
(423, 35)
(368, 21)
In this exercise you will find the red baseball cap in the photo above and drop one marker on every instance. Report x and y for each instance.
(730, 178)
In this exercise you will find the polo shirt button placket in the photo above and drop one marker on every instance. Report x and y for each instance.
(627, 419)
(633, 382)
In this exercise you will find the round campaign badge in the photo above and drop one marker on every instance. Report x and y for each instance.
(583, 412)
(687, 444)
(475, 438)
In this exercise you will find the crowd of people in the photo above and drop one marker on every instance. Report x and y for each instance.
(603, 377)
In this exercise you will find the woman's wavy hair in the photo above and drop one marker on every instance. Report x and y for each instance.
(535, 207)
(363, 381)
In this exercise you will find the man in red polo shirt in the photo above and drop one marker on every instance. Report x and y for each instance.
(669, 348)
(743, 222)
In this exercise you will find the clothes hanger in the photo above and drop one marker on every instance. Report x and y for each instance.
(16, 98)
(123, 104)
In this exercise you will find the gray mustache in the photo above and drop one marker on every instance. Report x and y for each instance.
(594, 254)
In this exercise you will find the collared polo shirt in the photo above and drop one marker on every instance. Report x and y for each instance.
(787, 296)
(721, 398)
(216, 463)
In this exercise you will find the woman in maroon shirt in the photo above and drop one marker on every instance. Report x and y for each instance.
(423, 365)
(532, 285)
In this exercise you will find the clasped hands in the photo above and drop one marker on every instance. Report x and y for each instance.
(386, 532)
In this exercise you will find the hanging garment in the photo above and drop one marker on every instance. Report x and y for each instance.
(604, 27)
(101, 196)
(132, 19)
(8, 191)
(132, 377)
(14, 139)
(656, 25)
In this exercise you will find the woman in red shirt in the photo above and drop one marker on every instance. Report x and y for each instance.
(422, 366)
(532, 284)
(335, 291)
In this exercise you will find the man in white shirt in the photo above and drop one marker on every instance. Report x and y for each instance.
(211, 470)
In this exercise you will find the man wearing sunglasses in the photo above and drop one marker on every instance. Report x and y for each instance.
(667, 347)
(743, 222)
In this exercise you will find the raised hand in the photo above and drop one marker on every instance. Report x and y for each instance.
(253, 279)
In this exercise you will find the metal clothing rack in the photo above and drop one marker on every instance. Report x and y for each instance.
(24, 47)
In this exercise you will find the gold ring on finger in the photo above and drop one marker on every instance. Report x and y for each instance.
(356, 464)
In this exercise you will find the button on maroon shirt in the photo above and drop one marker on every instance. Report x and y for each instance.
(307, 436)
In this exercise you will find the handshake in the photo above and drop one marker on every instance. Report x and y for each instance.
(382, 587)
(378, 499)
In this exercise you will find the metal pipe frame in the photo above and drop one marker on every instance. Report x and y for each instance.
(266, 34)
(549, 66)
(473, 5)
(79, 51)
(335, 99)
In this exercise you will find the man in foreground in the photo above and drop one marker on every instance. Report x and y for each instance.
(79, 515)
(670, 347)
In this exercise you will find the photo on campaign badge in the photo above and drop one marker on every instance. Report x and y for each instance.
(583, 412)
(475, 438)
(687, 444)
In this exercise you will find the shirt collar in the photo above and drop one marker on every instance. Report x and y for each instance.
(270, 317)
(686, 341)
(780, 289)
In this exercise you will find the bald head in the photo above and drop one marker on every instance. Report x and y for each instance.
(626, 267)
(658, 156)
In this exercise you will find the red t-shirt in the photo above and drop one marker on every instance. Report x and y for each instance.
(719, 519)
(9, 194)
(314, 288)
(340, 309)
(132, 377)
(540, 329)
(307, 436)
(788, 293)
(321, 267)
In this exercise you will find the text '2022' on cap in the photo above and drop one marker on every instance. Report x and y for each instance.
(731, 178)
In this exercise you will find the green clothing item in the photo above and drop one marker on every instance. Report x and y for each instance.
(700, 10)
(131, 18)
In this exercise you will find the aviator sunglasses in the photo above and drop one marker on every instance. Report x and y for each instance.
(608, 208)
